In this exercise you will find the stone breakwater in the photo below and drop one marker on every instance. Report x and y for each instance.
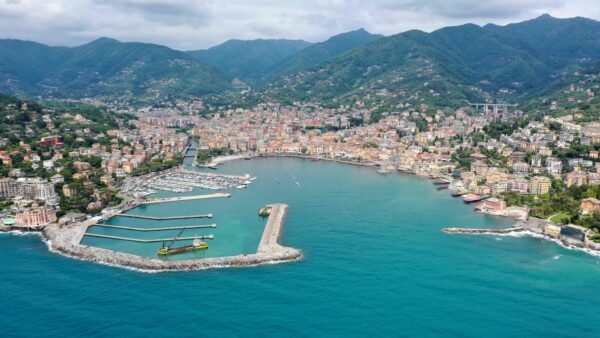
(537, 228)
(66, 241)
(482, 231)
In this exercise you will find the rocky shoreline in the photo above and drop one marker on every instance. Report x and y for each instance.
(538, 228)
(66, 241)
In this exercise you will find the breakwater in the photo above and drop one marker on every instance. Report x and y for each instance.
(66, 241)
(482, 231)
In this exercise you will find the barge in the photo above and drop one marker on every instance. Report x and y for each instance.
(196, 245)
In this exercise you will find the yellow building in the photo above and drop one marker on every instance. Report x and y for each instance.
(68, 190)
(540, 185)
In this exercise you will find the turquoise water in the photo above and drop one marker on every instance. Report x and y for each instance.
(376, 264)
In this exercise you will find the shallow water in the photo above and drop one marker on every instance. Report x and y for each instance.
(376, 264)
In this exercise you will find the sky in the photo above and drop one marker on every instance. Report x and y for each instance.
(199, 24)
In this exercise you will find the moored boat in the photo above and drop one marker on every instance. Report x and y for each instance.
(266, 211)
(471, 198)
(196, 245)
(460, 193)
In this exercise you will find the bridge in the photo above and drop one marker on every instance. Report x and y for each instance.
(493, 107)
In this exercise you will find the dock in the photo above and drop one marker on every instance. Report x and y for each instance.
(155, 229)
(149, 240)
(165, 218)
(184, 198)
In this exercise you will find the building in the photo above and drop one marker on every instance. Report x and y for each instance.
(590, 205)
(8, 188)
(68, 190)
(540, 185)
(36, 216)
(577, 178)
(37, 189)
(492, 205)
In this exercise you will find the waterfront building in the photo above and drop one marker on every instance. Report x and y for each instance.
(36, 216)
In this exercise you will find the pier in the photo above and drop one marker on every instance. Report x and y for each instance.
(269, 242)
(184, 198)
(155, 229)
(482, 231)
(165, 218)
(149, 240)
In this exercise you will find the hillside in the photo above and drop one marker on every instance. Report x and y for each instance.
(449, 66)
(321, 52)
(248, 60)
(104, 67)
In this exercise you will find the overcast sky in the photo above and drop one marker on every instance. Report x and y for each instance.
(198, 24)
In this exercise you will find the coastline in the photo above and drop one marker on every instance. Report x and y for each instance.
(223, 159)
(66, 241)
(534, 227)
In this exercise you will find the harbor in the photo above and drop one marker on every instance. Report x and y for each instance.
(269, 251)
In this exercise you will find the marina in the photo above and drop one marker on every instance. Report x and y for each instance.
(184, 181)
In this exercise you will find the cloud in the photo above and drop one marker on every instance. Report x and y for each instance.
(195, 24)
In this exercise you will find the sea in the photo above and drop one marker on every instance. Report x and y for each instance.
(376, 264)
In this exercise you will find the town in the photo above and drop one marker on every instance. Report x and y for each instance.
(513, 164)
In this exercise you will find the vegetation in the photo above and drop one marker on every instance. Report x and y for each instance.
(157, 164)
(205, 156)
(104, 67)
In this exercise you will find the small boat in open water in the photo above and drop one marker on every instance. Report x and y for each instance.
(196, 245)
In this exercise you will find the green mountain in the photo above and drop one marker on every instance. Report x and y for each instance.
(104, 67)
(321, 52)
(248, 60)
(449, 66)
(558, 42)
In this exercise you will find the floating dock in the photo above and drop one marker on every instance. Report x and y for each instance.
(149, 240)
(165, 218)
(155, 229)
